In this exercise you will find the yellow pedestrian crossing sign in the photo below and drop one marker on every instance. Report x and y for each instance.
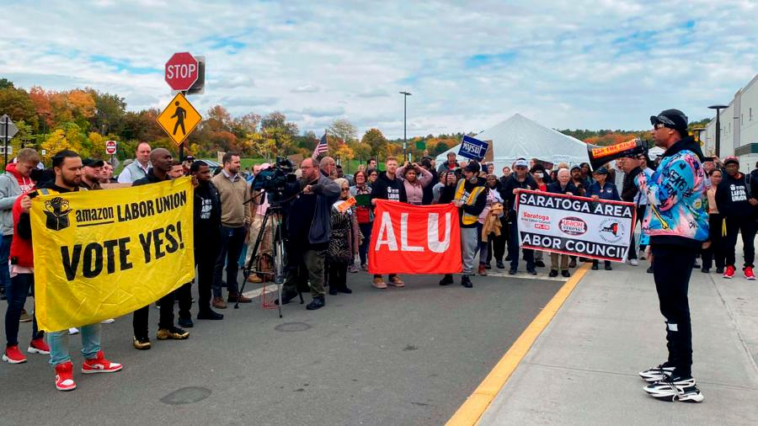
(179, 119)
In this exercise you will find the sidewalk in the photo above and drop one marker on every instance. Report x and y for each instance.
(582, 370)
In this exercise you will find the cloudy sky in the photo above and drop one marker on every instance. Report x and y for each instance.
(469, 64)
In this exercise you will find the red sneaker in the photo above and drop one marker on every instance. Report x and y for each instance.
(13, 356)
(100, 365)
(748, 271)
(38, 346)
(64, 376)
(729, 273)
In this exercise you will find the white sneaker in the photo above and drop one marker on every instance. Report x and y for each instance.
(72, 331)
(634, 262)
(108, 321)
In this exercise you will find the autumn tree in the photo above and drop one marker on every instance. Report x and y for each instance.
(376, 140)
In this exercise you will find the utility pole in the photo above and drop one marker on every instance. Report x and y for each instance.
(405, 121)
(718, 109)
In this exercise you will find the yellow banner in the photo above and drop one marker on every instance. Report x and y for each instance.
(103, 254)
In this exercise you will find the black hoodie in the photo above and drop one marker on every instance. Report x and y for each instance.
(733, 193)
(388, 189)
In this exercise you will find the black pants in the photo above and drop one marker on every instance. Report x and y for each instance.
(715, 252)
(337, 275)
(513, 246)
(746, 226)
(205, 260)
(672, 268)
(141, 316)
(499, 243)
(184, 295)
(232, 240)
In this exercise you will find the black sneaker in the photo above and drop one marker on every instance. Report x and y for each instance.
(286, 298)
(565, 274)
(466, 281)
(185, 322)
(553, 274)
(142, 343)
(650, 270)
(209, 315)
(719, 270)
(594, 267)
(531, 272)
(500, 265)
(539, 264)
(2, 293)
(572, 263)
(656, 374)
(675, 388)
(332, 290)
(345, 290)
(447, 279)
(508, 258)
(487, 266)
(317, 303)
(608, 267)
(512, 272)
(705, 270)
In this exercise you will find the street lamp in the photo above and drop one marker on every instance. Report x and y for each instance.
(718, 109)
(405, 115)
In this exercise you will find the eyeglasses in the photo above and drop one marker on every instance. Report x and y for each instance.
(345, 189)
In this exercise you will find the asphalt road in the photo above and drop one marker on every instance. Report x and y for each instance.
(377, 357)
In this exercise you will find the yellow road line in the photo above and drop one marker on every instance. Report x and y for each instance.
(472, 410)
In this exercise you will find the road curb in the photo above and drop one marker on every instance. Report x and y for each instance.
(475, 405)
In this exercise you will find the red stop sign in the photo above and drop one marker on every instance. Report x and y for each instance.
(110, 147)
(181, 71)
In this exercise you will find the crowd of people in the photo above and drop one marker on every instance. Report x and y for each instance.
(326, 234)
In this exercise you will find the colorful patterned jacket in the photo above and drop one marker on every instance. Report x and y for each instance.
(677, 213)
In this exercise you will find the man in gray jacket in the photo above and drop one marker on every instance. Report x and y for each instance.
(139, 168)
(309, 226)
(14, 182)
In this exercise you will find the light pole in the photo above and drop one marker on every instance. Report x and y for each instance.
(405, 118)
(718, 109)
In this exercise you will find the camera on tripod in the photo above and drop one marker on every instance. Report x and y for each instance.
(274, 179)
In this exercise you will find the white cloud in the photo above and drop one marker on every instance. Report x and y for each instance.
(586, 64)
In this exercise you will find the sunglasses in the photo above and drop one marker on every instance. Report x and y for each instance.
(345, 189)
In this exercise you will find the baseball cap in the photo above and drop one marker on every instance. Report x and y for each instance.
(601, 171)
(673, 119)
(91, 162)
(731, 159)
(576, 168)
(521, 163)
(472, 167)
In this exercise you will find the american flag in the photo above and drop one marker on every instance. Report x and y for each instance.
(321, 147)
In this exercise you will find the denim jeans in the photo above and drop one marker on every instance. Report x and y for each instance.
(5, 252)
(58, 342)
(232, 240)
(17, 292)
(363, 249)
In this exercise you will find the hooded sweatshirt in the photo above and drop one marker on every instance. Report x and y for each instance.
(733, 193)
(12, 184)
(388, 189)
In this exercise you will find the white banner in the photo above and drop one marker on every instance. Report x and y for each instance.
(575, 225)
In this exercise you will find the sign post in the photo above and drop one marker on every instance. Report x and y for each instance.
(179, 119)
(7, 131)
(182, 72)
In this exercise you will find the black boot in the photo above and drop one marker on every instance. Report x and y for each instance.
(466, 281)
(286, 297)
(447, 279)
(317, 303)
(209, 315)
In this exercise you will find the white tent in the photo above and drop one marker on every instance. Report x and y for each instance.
(519, 137)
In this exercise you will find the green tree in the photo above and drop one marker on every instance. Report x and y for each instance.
(109, 112)
(378, 143)
(18, 105)
(343, 129)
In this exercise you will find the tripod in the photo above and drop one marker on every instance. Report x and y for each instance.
(278, 253)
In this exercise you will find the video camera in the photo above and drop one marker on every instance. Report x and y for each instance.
(275, 178)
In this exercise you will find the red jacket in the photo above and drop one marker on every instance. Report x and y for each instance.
(21, 249)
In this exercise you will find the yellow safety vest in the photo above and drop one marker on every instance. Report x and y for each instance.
(468, 219)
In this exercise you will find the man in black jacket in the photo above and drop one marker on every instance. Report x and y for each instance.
(388, 187)
(519, 180)
(162, 162)
(631, 168)
(735, 198)
(207, 237)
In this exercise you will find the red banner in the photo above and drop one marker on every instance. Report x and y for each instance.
(415, 239)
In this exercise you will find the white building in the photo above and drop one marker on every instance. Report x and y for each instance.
(739, 128)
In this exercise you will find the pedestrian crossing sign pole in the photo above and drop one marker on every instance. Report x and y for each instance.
(179, 119)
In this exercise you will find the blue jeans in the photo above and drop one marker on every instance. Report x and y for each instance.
(5, 252)
(58, 342)
(363, 249)
(16, 293)
(232, 241)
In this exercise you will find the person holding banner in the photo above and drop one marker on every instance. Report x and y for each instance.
(162, 162)
(68, 175)
(520, 179)
(677, 223)
(471, 198)
(563, 185)
(601, 189)
(388, 187)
